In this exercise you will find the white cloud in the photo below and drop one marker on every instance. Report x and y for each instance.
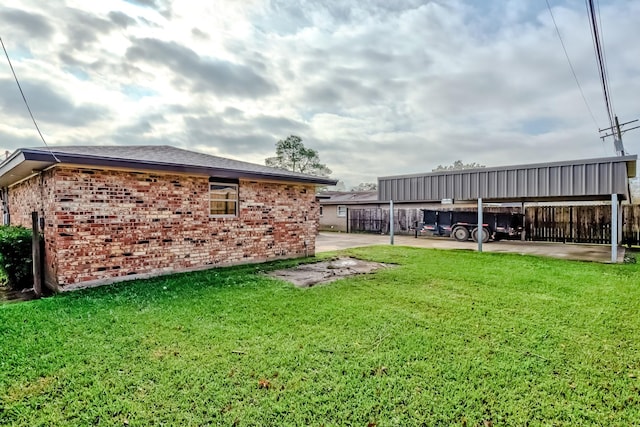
(377, 87)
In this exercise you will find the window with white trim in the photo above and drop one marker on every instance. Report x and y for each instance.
(223, 199)
(342, 210)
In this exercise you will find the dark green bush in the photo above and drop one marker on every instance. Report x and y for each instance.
(15, 256)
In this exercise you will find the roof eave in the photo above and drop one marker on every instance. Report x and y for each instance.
(351, 202)
(18, 167)
(45, 159)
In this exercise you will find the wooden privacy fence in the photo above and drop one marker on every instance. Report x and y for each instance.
(631, 225)
(375, 220)
(576, 224)
(580, 224)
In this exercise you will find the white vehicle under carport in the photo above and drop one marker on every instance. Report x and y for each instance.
(462, 225)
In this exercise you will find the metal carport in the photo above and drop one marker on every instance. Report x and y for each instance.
(591, 179)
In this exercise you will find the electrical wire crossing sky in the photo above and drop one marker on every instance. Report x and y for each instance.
(377, 88)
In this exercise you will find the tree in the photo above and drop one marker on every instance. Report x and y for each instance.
(365, 186)
(458, 165)
(292, 155)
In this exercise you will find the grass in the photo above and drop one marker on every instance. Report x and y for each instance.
(444, 338)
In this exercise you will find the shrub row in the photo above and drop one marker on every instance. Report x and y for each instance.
(15, 256)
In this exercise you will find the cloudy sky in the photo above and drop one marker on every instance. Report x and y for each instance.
(378, 87)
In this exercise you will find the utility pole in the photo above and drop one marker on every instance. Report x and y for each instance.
(616, 133)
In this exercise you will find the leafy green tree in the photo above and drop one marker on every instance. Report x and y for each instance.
(458, 165)
(292, 155)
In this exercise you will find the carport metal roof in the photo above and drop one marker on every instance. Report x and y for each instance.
(591, 179)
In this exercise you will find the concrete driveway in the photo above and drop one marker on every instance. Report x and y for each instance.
(328, 241)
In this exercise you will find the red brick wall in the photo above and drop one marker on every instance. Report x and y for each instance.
(29, 196)
(36, 195)
(103, 224)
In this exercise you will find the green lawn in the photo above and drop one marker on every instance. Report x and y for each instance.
(444, 338)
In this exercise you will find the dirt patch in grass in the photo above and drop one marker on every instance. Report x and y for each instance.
(30, 389)
(308, 275)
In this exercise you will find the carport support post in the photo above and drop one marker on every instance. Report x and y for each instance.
(480, 232)
(391, 221)
(524, 223)
(614, 228)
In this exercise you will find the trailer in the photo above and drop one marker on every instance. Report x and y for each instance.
(463, 225)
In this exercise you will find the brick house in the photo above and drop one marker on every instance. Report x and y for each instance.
(116, 213)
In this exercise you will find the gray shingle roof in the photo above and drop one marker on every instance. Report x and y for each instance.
(348, 197)
(164, 157)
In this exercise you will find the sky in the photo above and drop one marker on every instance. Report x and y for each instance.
(377, 87)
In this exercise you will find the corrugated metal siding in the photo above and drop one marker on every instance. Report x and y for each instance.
(597, 178)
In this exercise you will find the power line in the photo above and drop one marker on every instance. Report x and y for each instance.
(602, 71)
(604, 55)
(597, 37)
(25, 101)
(566, 54)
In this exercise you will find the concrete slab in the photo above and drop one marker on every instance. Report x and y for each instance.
(327, 241)
(307, 275)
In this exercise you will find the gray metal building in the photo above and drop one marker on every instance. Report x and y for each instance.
(592, 179)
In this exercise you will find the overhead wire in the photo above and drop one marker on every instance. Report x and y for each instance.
(24, 98)
(573, 71)
(604, 56)
(595, 35)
